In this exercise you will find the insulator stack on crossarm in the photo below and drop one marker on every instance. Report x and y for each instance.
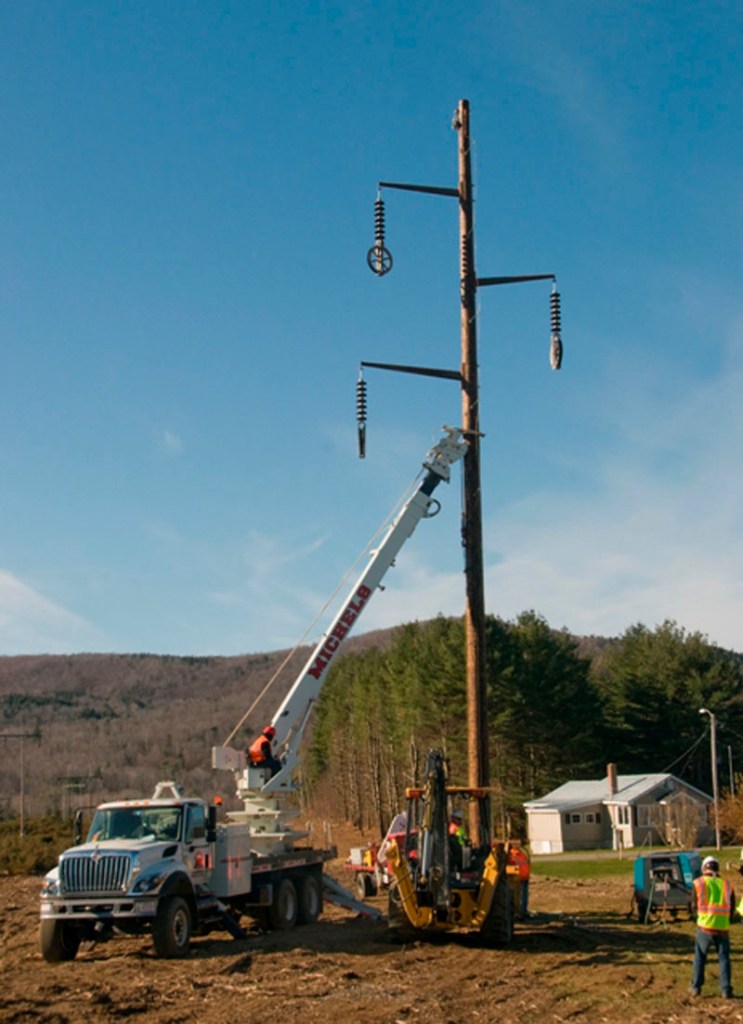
(556, 331)
(361, 415)
(379, 257)
(379, 222)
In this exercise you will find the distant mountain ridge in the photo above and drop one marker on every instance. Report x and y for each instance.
(113, 724)
(103, 725)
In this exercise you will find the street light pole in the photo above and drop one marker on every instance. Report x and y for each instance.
(713, 755)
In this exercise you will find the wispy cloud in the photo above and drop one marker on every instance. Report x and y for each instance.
(29, 622)
(658, 536)
(168, 442)
(650, 532)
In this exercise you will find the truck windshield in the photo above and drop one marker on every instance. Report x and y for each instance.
(163, 823)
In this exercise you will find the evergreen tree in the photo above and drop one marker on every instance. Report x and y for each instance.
(654, 682)
(545, 715)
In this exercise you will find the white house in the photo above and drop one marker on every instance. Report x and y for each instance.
(619, 811)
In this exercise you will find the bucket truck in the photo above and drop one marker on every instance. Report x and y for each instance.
(166, 866)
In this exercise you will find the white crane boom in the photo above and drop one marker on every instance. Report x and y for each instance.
(292, 716)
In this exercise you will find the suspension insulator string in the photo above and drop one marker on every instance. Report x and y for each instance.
(361, 414)
(556, 333)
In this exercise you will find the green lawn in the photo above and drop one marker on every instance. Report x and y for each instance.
(604, 865)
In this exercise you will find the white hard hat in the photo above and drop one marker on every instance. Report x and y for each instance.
(711, 862)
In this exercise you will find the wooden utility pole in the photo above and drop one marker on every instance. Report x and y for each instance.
(22, 736)
(379, 260)
(474, 619)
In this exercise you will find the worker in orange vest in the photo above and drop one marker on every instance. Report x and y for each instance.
(518, 856)
(260, 752)
(714, 901)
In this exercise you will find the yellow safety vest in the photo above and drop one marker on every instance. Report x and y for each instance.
(714, 899)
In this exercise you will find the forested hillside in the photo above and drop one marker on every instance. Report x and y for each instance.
(87, 727)
(112, 725)
(554, 713)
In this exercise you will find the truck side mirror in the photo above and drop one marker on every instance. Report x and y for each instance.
(211, 828)
(78, 833)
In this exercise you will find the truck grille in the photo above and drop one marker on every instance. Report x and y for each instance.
(96, 874)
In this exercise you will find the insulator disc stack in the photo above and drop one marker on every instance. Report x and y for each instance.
(555, 311)
(361, 415)
(379, 222)
(361, 400)
(556, 334)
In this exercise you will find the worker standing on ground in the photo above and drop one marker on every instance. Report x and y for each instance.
(260, 752)
(518, 856)
(714, 901)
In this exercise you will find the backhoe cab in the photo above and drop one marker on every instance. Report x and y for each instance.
(443, 881)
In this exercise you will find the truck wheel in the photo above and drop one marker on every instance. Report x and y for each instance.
(59, 941)
(171, 929)
(310, 900)
(364, 885)
(498, 927)
(285, 906)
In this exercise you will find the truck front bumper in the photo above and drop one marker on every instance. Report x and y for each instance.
(99, 908)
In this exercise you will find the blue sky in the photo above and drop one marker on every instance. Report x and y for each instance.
(187, 199)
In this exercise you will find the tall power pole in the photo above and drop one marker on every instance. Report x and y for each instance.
(474, 618)
(379, 260)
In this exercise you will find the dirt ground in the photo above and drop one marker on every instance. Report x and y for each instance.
(580, 958)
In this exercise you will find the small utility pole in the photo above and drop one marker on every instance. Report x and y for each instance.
(22, 736)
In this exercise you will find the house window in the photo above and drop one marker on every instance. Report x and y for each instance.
(590, 818)
(575, 819)
(598, 817)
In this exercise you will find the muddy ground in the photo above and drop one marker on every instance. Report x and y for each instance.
(579, 959)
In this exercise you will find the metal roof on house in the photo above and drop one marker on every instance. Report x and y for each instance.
(630, 789)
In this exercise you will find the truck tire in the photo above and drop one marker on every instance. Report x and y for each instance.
(59, 940)
(310, 899)
(497, 929)
(171, 929)
(364, 885)
(285, 906)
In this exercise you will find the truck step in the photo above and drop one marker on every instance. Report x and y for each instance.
(229, 922)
